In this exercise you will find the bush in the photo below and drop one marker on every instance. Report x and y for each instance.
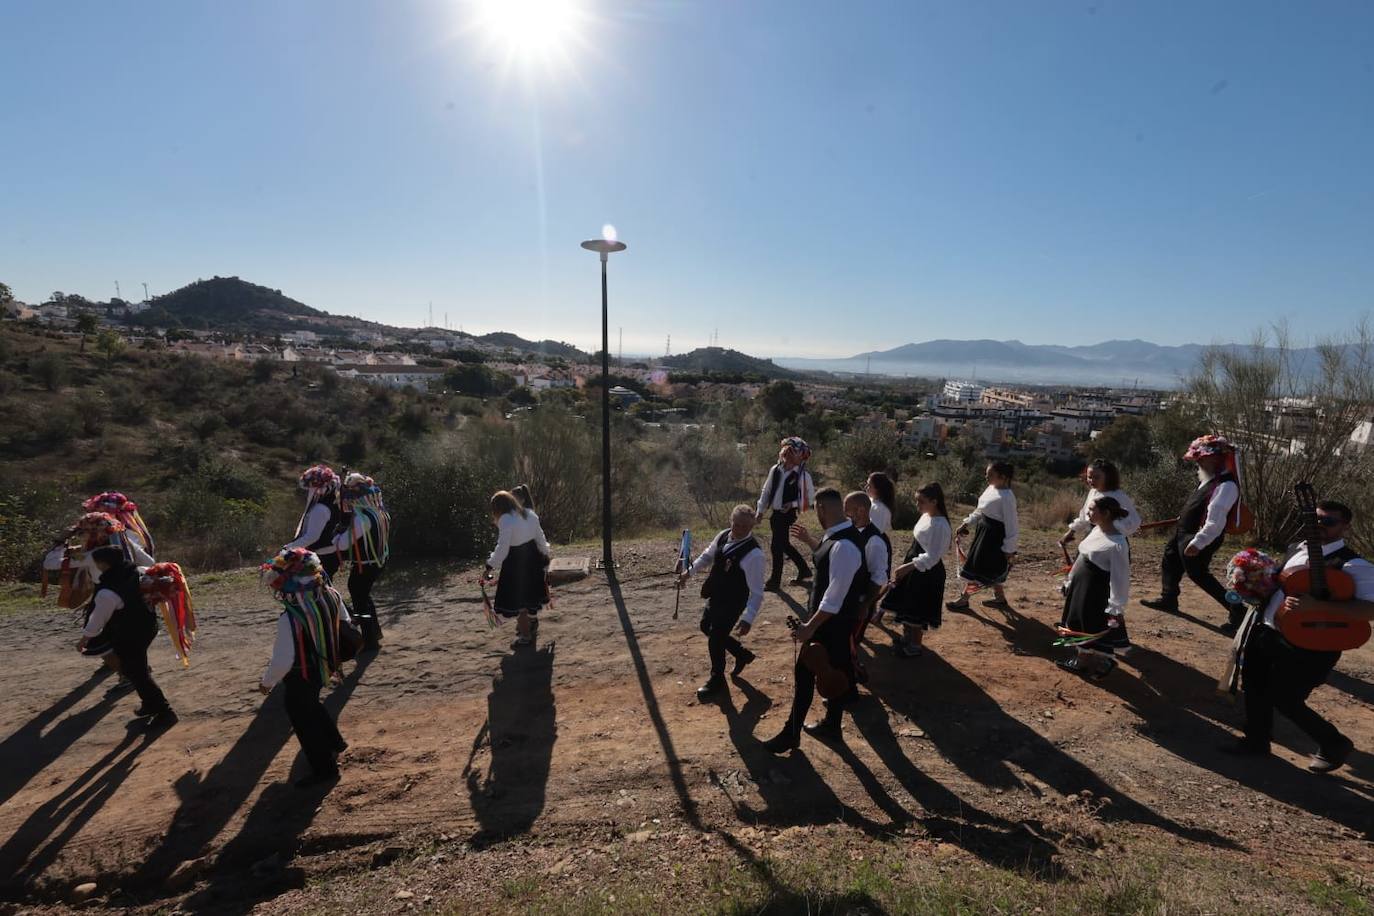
(1160, 489)
(49, 370)
(865, 451)
(713, 468)
(438, 498)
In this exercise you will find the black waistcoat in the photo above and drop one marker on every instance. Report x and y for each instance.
(726, 583)
(791, 485)
(858, 587)
(869, 534)
(1194, 511)
(135, 618)
(331, 527)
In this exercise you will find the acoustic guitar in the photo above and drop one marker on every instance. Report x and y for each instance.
(831, 682)
(1318, 630)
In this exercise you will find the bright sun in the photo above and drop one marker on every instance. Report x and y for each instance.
(530, 29)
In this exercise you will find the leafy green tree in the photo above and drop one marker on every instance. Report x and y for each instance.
(783, 400)
(6, 295)
(1126, 441)
(86, 323)
(111, 345)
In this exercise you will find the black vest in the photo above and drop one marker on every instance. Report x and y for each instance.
(135, 618)
(869, 534)
(858, 587)
(331, 527)
(791, 485)
(726, 583)
(1194, 511)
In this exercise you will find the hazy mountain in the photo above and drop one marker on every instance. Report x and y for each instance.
(719, 359)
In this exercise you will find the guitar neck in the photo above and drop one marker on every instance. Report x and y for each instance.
(1316, 559)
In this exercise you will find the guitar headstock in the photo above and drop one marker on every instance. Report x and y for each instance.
(1305, 498)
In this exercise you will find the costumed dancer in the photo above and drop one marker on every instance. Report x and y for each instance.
(522, 556)
(787, 491)
(126, 510)
(883, 493)
(321, 520)
(97, 530)
(877, 560)
(990, 556)
(1200, 530)
(122, 620)
(916, 597)
(1104, 479)
(836, 600)
(1095, 595)
(364, 543)
(734, 593)
(306, 656)
(1275, 674)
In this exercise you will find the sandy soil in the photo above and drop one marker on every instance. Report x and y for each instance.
(562, 756)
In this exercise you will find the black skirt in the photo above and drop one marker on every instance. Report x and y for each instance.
(1085, 607)
(919, 599)
(985, 562)
(522, 584)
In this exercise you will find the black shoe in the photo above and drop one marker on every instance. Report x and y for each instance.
(1244, 747)
(711, 688)
(784, 741)
(741, 661)
(328, 777)
(162, 720)
(142, 712)
(860, 673)
(341, 746)
(1228, 629)
(802, 579)
(825, 730)
(1167, 605)
(1328, 759)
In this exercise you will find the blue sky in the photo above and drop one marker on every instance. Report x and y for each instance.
(811, 178)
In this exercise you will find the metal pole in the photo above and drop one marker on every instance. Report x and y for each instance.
(605, 426)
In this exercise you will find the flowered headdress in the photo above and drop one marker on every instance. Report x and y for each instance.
(319, 480)
(1253, 576)
(365, 498)
(164, 586)
(124, 509)
(796, 447)
(1207, 446)
(312, 606)
(99, 529)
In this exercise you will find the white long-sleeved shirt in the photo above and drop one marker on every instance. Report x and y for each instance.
(1000, 505)
(845, 560)
(1127, 526)
(316, 520)
(934, 535)
(1110, 553)
(106, 603)
(138, 556)
(881, 516)
(877, 560)
(514, 529)
(752, 565)
(1361, 570)
(1218, 507)
(356, 531)
(284, 649)
(805, 488)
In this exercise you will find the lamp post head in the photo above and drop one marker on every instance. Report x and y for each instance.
(603, 246)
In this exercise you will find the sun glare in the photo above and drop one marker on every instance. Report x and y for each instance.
(530, 29)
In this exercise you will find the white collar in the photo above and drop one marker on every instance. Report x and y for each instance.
(1327, 549)
(840, 527)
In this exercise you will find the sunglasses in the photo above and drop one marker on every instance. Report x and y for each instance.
(1329, 521)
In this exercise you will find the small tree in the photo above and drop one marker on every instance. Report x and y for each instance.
(86, 323)
(782, 400)
(1126, 441)
(110, 345)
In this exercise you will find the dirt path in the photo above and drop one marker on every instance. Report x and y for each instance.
(981, 747)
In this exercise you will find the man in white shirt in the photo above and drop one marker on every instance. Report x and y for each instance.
(826, 637)
(1275, 674)
(878, 561)
(734, 593)
(787, 489)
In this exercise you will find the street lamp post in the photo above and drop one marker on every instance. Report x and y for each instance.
(604, 246)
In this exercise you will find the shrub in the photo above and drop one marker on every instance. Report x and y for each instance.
(438, 499)
(49, 370)
(863, 452)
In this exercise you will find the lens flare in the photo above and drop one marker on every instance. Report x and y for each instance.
(608, 232)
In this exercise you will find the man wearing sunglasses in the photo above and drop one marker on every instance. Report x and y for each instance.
(1278, 675)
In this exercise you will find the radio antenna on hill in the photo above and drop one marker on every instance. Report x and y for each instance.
(118, 295)
(431, 314)
(620, 349)
(668, 347)
(145, 292)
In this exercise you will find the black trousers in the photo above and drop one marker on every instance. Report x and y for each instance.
(782, 546)
(360, 582)
(315, 729)
(1199, 569)
(835, 635)
(330, 563)
(1279, 675)
(133, 663)
(717, 623)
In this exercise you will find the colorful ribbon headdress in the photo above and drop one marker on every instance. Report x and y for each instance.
(124, 509)
(1211, 446)
(312, 606)
(164, 586)
(364, 497)
(796, 446)
(319, 480)
(98, 529)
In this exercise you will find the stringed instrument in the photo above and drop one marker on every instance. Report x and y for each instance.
(831, 682)
(1318, 630)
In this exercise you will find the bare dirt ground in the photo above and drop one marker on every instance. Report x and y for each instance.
(582, 775)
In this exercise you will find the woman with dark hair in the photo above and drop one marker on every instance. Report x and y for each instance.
(1103, 480)
(918, 584)
(990, 555)
(1095, 595)
(883, 495)
(522, 556)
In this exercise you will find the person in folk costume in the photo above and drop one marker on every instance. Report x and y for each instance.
(837, 599)
(1200, 530)
(364, 544)
(522, 556)
(993, 550)
(1277, 675)
(305, 656)
(883, 494)
(877, 560)
(733, 592)
(126, 510)
(96, 530)
(122, 620)
(322, 519)
(917, 593)
(1095, 594)
(1103, 480)
(787, 490)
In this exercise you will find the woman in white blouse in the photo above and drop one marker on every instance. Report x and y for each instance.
(918, 585)
(522, 556)
(996, 533)
(1103, 480)
(1095, 595)
(883, 493)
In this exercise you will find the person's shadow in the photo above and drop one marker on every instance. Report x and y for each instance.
(38, 743)
(520, 731)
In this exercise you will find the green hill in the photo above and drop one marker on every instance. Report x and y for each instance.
(542, 347)
(719, 360)
(224, 303)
